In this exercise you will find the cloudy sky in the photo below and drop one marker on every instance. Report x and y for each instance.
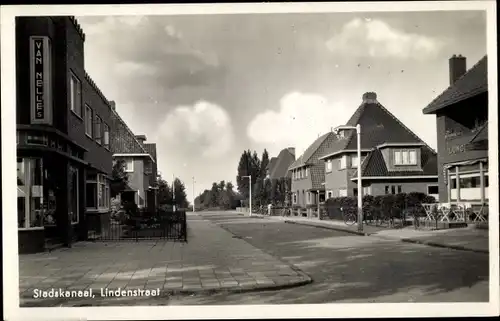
(207, 87)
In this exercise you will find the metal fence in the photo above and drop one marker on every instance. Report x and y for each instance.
(164, 225)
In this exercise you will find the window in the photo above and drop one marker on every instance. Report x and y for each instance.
(73, 193)
(432, 190)
(355, 192)
(343, 192)
(343, 162)
(76, 95)
(98, 193)
(354, 161)
(393, 189)
(88, 121)
(309, 197)
(129, 165)
(329, 194)
(366, 190)
(387, 189)
(307, 172)
(328, 166)
(400, 189)
(405, 157)
(40, 140)
(98, 129)
(106, 136)
(294, 198)
(30, 193)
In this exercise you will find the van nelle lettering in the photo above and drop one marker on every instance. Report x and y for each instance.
(39, 85)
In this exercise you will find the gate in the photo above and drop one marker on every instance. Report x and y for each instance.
(161, 225)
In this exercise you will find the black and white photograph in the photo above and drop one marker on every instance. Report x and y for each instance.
(253, 160)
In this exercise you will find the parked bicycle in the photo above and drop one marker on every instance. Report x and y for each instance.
(349, 216)
(286, 211)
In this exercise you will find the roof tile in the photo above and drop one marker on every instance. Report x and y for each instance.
(472, 83)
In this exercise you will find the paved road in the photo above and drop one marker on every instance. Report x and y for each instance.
(350, 268)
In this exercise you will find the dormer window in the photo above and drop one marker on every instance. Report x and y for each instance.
(405, 157)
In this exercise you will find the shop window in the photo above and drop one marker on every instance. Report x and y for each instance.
(98, 192)
(30, 192)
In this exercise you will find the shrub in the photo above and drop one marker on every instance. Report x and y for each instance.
(382, 206)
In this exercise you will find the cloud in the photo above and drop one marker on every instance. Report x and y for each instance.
(149, 50)
(376, 38)
(202, 130)
(298, 122)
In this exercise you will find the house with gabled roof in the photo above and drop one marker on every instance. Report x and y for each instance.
(393, 159)
(461, 112)
(278, 166)
(308, 173)
(140, 163)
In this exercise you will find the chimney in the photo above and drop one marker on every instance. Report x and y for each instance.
(112, 104)
(141, 138)
(369, 98)
(291, 150)
(458, 67)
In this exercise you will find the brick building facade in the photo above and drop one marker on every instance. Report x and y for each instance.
(64, 158)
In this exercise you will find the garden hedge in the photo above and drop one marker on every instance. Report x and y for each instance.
(392, 206)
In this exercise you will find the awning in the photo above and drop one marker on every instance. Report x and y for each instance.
(467, 162)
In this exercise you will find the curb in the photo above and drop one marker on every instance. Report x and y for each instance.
(330, 228)
(404, 240)
(165, 294)
(446, 246)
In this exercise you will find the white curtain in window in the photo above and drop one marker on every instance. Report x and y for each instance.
(397, 157)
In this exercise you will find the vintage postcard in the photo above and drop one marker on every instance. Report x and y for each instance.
(250, 160)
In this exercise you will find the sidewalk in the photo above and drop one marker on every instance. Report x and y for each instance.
(465, 239)
(211, 261)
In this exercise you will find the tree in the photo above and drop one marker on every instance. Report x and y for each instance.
(264, 163)
(180, 194)
(164, 193)
(243, 170)
(119, 178)
(230, 187)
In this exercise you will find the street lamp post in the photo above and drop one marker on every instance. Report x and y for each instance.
(249, 192)
(360, 187)
(173, 192)
(193, 195)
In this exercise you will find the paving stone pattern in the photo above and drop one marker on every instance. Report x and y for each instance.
(212, 260)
